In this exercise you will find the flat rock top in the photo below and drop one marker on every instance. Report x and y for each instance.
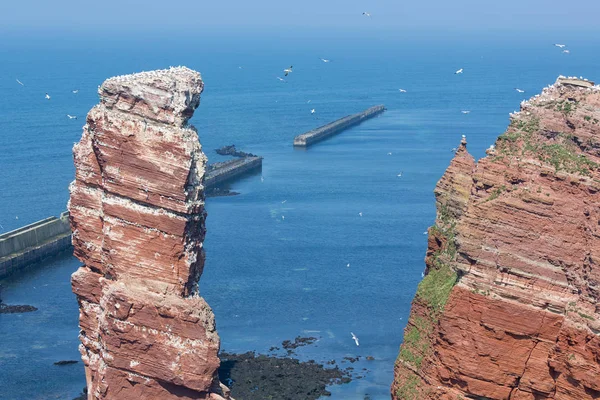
(167, 96)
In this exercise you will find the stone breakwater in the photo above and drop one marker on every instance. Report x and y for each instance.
(33, 243)
(509, 308)
(137, 216)
(335, 127)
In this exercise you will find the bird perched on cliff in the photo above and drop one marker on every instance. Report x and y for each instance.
(460, 71)
(72, 116)
(366, 14)
(288, 71)
(20, 83)
(560, 45)
(47, 96)
(325, 60)
(355, 338)
(519, 90)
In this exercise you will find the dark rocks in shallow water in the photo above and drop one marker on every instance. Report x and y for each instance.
(370, 358)
(219, 192)
(232, 151)
(66, 362)
(298, 342)
(351, 359)
(251, 376)
(6, 309)
(83, 395)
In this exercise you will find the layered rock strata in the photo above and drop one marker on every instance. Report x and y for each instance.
(509, 307)
(137, 215)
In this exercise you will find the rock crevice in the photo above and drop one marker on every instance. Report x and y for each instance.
(137, 215)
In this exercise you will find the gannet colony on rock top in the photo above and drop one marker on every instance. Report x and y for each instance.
(508, 308)
(137, 215)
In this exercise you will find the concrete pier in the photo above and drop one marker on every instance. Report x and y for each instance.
(228, 170)
(335, 127)
(32, 243)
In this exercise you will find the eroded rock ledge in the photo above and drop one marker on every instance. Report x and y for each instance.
(137, 215)
(509, 306)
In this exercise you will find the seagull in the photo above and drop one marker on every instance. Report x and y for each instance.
(460, 71)
(567, 51)
(20, 83)
(47, 96)
(308, 102)
(425, 233)
(262, 178)
(559, 45)
(75, 91)
(366, 14)
(17, 217)
(72, 116)
(519, 90)
(400, 174)
(241, 67)
(283, 202)
(312, 111)
(422, 274)
(454, 150)
(325, 60)
(288, 70)
(355, 338)
(465, 111)
(348, 265)
(360, 213)
(281, 79)
(402, 90)
(390, 153)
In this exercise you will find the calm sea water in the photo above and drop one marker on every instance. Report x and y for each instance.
(267, 278)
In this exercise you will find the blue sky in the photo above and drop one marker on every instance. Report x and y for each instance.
(269, 15)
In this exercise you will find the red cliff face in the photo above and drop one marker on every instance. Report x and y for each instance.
(137, 215)
(509, 306)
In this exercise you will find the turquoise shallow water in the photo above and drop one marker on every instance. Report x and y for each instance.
(267, 278)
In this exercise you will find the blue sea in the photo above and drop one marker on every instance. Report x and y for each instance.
(267, 278)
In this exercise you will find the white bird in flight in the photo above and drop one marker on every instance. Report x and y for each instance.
(20, 83)
(559, 45)
(283, 217)
(348, 265)
(355, 338)
(400, 174)
(390, 153)
(288, 71)
(567, 51)
(281, 79)
(360, 214)
(366, 14)
(519, 90)
(325, 60)
(465, 111)
(402, 90)
(283, 202)
(312, 111)
(72, 116)
(47, 96)
(75, 91)
(460, 71)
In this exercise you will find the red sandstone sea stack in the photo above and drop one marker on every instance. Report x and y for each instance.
(137, 215)
(509, 306)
